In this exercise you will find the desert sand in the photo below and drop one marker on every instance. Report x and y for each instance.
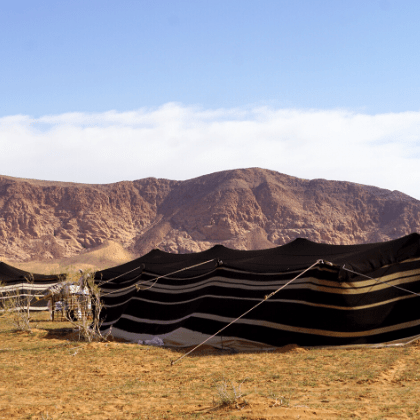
(49, 374)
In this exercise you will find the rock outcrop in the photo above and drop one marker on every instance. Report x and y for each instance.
(242, 209)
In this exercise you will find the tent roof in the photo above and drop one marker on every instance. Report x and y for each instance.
(10, 274)
(296, 255)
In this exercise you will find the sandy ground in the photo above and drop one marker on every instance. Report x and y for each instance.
(48, 374)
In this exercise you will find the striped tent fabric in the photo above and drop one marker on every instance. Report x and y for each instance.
(354, 295)
(16, 281)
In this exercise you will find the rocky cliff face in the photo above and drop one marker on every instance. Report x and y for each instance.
(242, 209)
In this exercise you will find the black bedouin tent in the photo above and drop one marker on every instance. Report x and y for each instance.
(353, 294)
(13, 280)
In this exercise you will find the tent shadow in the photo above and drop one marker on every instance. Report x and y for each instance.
(71, 334)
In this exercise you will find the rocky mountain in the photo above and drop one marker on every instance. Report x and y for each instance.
(243, 209)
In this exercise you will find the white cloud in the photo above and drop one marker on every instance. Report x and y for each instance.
(180, 142)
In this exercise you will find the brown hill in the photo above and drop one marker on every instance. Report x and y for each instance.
(242, 209)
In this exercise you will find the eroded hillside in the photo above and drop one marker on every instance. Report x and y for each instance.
(242, 209)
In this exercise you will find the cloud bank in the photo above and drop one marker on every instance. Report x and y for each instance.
(180, 142)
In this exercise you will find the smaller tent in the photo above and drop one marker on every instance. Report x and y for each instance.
(16, 281)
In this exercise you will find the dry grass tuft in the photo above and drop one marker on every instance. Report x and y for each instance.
(230, 394)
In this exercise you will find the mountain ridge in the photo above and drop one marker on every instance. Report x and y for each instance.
(248, 208)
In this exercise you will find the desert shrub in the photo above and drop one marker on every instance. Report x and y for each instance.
(230, 394)
(88, 320)
(15, 306)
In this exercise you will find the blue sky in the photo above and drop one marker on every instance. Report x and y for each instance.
(331, 87)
